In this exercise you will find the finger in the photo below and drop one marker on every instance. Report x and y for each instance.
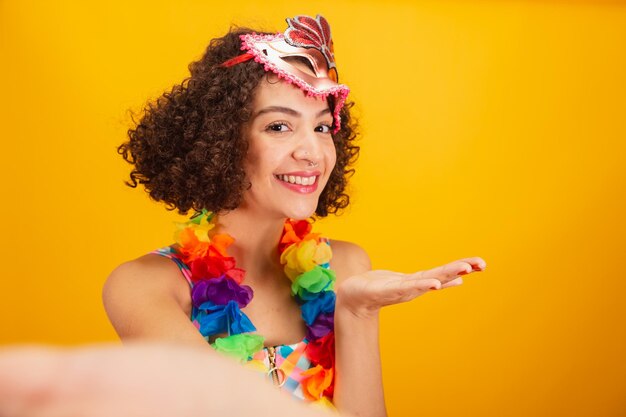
(406, 289)
(415, 283)
(477, 263)
(454, 283)
(446, 272)
(452, 270)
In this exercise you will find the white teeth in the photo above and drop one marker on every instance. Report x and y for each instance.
(294, 179)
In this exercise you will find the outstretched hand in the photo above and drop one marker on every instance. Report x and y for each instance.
(366, 293)
(139, 380)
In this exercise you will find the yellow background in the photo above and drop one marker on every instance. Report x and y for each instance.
(490, 128)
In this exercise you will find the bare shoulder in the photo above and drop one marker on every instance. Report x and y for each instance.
(349, 259)
(145, 287)
(148, 272)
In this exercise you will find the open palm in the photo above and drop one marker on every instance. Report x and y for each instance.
(372, 290)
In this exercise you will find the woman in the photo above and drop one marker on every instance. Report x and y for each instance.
(256, 141)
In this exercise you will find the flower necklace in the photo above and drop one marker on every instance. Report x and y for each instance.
(218, 294)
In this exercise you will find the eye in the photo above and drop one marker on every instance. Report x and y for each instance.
(323, 128)
(277, 127)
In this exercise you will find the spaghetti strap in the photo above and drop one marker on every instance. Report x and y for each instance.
(170, 252)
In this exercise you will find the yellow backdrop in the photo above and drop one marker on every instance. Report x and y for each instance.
(489, 128)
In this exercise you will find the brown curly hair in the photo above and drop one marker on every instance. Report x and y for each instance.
(187, 149)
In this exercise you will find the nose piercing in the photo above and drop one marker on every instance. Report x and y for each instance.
(306, 157)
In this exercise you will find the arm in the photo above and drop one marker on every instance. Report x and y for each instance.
(137, 380)
(361, 293)
(358, 379)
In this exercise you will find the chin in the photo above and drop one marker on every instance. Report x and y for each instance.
(301, 211)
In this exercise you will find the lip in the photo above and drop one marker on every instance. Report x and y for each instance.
(299, 188)
(301, 173)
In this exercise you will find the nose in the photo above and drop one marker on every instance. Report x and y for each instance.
(308, 148)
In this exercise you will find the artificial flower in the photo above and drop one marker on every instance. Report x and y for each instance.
(220, 291)
(324, 303)
(198, 225)
(217, 318)
(215, 266)
(189, 246)
(219, 244)
(294, 232)
(322, 351)
(194, 241)
(239, 346)
(304, 256)
(318, 380)
(323, 324)
(309, 284)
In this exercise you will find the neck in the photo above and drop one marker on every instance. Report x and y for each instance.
(256, 240)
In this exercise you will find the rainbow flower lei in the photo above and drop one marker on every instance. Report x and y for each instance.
(218, 294)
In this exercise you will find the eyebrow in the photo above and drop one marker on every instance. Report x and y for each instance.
(286, 110)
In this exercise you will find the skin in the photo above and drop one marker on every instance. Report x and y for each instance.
(148, 299)
(151, 380)
(288, 132)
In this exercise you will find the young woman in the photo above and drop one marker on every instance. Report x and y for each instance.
(256, 141)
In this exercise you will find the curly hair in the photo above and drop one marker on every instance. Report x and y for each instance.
(187, 149)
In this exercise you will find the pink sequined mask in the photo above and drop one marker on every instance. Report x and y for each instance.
(307, 41)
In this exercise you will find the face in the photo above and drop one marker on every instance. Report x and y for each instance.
(291, 153)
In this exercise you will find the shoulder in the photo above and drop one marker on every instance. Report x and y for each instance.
(348, 259)
(149, 263)
(148, 298)
(149, 274)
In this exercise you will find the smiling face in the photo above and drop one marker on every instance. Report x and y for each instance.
(291, 151)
